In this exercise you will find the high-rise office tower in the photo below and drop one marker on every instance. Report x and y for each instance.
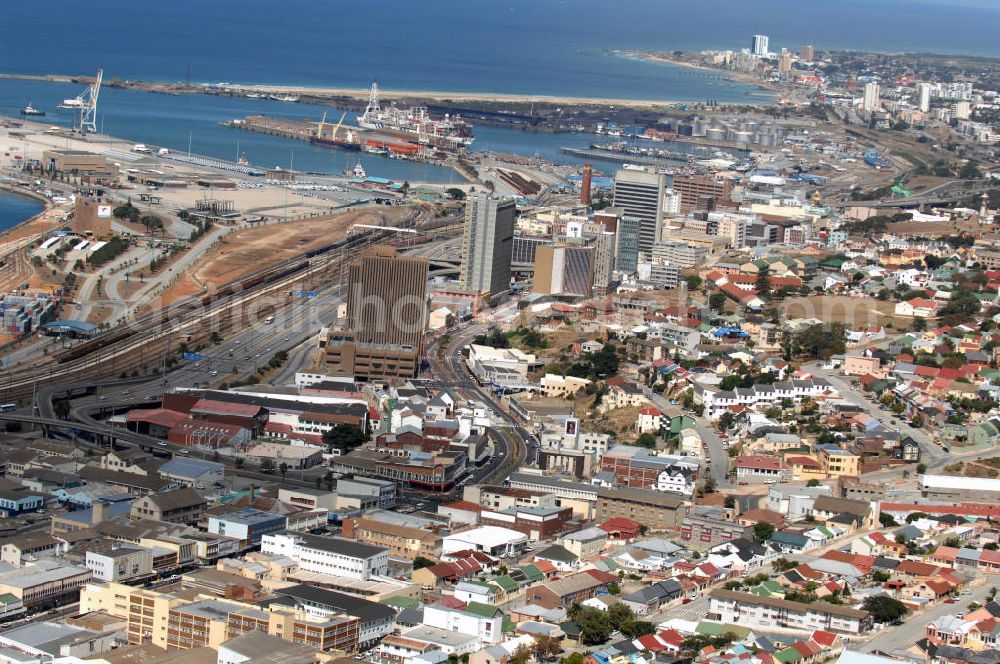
(640, 194)
(386, 316)
(870, 102)
(698, 192)
(807, 53)
(627, 244)
(924, 97)
(604, 262)
(759, 45)
(564, 270)
(487, 244)
(785, 63)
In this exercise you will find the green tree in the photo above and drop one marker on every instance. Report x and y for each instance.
(726, 421)
(61, 408)
(887, 520)
(620, 615)
(647, 440)
(812, 482)
(283, 469)
(921, 468)
(783, 564)
(595, 627)
(151, 222)
(763, 283)
(546, 648)
(456, 193)
(717, 301)
(573, 658)
(762, 531)
(693, 282)
(884, 608)
(970, 171)
(344, 437)
(521, 656)
(421, 562)
(696, 643)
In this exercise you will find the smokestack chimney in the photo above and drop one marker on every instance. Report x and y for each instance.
(98, 512)
(585, 185)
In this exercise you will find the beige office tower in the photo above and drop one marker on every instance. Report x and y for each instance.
(604, 262)
(564, 270)
(386, 316)
(785, 63)
(487, 245)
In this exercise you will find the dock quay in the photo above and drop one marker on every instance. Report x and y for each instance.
(301, 130)
(338, 135)
(619, 157)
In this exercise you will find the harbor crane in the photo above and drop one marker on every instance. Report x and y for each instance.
(85, 105)
(336, 129)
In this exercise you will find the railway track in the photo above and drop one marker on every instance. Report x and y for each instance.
(191, 322)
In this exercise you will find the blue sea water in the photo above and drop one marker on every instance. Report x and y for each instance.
(552, 47)
(556, 47)
(15, 209)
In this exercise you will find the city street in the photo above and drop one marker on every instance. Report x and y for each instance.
(912, 630)
(716, 457)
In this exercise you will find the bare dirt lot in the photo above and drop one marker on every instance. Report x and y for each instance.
(855, 311)
(250, 249)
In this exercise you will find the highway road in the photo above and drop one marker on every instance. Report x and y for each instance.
(512, 442)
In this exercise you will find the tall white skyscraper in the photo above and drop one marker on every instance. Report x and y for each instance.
(759, 45)
(870, 102)
(924, 97)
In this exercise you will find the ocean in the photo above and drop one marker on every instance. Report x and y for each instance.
(553, 47)
(15, 209)
(550, 47)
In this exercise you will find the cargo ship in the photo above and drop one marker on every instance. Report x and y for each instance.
(448, 132)
(348, 142)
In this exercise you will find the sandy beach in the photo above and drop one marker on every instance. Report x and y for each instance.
(362, 93)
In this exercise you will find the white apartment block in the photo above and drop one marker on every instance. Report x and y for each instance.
(718, 401)
(330, 555)
(735, 608)
(488, 631)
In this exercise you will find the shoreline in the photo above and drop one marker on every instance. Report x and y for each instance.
(242, 89)
(10, 190)
(736, 77)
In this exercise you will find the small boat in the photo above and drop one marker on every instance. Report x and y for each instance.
(31, 110)
(359, 172)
